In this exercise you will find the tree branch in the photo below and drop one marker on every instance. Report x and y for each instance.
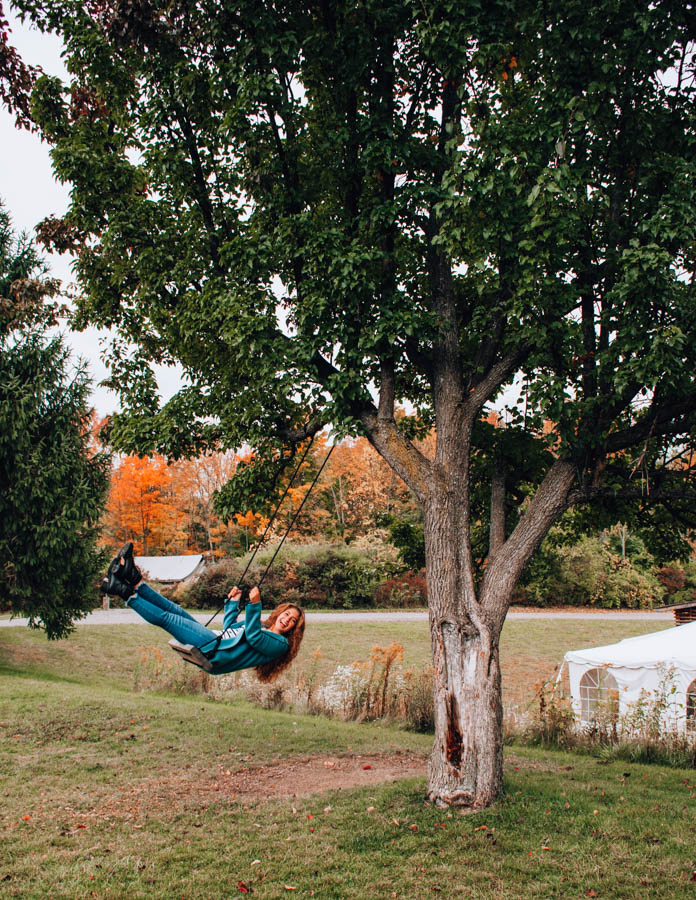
(386, 391)
(497, 524)
(200, 185)
(402, 455)
(506, 566)
(487, 350)
(495, 376)
(671, 419)
(415, 100)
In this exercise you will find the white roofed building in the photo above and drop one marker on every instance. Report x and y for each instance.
(171, 569)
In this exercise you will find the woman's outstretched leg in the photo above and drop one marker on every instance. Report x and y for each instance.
(152, 596)
(173, 619)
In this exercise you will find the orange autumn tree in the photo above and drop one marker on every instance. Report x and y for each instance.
(353, 493)
(359, 488)
(251, 526)
(168, 508)
(140, 506)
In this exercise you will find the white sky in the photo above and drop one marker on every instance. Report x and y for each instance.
(30, 193)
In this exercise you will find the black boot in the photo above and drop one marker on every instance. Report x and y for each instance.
(117, 588)
(126, 571)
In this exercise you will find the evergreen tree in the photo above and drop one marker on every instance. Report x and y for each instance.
(53, 483)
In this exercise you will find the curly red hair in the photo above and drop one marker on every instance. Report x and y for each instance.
(271, 670)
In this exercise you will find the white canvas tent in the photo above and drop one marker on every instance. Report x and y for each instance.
(634, 669)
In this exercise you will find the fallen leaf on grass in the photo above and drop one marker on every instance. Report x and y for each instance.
(245, 889)
(590, 893)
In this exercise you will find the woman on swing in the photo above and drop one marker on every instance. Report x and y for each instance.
(269, 647)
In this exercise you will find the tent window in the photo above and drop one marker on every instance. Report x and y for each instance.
(599, 692)
(691, 706)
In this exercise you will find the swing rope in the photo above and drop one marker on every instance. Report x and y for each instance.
(294, 518)
(268, 527)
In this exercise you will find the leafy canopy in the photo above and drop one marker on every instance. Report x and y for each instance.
(301, 203)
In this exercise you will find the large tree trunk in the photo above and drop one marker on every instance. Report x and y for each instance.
(466, 762)
(466, 765)
(466, 619)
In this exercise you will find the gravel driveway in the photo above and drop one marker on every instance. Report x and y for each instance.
(128, 617)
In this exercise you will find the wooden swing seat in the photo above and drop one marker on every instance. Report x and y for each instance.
(191, 654)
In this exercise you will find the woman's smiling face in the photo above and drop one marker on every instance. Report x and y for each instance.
(286, 621)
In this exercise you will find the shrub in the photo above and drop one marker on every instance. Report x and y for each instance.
(409, 538)
(672, 579)
(313, 575)
(588, 573)
(209, 589)
(404, 591)
(679, 582)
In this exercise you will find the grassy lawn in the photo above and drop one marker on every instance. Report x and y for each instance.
(103, 794)
(531, 650)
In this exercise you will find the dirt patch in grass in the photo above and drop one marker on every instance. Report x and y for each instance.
(185, 791)
(287, 778)
(312, 775)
